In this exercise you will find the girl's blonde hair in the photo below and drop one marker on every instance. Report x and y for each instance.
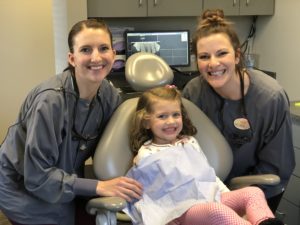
(138, 133)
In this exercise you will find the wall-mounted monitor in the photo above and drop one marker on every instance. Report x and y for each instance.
(173, 46)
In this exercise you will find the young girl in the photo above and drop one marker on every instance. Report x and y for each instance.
(180, 187)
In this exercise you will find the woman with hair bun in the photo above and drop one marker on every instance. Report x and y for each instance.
(250, 108)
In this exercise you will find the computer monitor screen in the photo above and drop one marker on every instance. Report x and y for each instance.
(172, 46)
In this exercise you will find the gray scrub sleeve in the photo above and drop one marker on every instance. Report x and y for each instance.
(41, 176)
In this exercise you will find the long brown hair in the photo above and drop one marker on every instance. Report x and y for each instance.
(138, 133)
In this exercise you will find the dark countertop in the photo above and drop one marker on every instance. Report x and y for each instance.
(295, 111)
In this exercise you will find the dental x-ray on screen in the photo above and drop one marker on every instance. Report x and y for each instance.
(172, 46)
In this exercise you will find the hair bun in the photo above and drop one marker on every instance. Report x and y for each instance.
(213, 15)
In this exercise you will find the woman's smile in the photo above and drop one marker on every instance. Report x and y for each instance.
(217, 72)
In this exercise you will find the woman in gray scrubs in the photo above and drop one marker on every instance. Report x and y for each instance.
(60, 122)
(250, 108)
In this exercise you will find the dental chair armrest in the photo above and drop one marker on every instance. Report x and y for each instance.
(259, 179)
(113, 204)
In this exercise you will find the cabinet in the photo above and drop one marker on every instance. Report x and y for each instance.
(241, 7)
(289, 207)
(143, 8)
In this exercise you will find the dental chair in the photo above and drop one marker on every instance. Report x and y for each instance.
(113, 156)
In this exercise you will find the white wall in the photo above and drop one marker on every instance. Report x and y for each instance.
(65, 15)
(27, 50)
(278, 43)
(26, 53)
(60, 27)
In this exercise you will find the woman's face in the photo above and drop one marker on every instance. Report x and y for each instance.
(93, 55)
(216, 59)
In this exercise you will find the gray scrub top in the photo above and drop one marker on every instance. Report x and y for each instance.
(264, 147)
(42, 158)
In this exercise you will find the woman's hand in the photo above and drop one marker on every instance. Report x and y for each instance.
(124, 187)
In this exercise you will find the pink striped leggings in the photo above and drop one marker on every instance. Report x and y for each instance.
(249, 201)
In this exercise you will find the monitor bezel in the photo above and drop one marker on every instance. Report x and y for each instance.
(162, 31)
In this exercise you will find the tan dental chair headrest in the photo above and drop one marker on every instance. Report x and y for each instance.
(145, 70)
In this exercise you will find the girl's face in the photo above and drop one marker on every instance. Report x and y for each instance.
(93, 55)
(216, 59)
(165, 122)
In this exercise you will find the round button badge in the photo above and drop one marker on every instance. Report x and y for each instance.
(241, 123)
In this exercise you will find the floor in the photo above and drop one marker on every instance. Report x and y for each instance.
(3, 220)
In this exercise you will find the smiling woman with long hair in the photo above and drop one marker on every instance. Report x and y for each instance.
(250, 108)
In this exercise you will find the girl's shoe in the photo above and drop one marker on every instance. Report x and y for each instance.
(271, 221)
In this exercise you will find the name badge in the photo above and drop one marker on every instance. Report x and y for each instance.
(241, 123)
